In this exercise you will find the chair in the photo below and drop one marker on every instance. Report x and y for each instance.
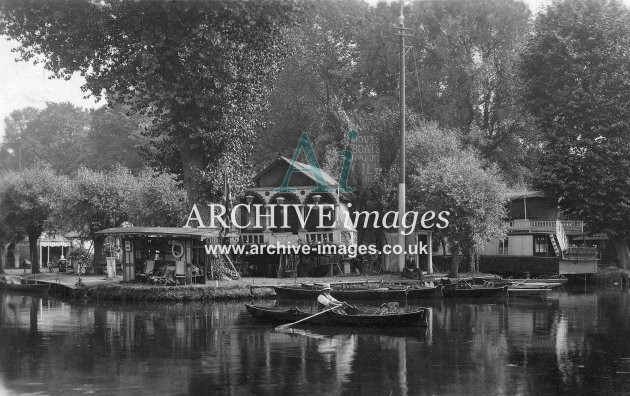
(145, 275)
(180, 272)
(165, 277)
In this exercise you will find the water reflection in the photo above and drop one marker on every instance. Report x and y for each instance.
(573, 341)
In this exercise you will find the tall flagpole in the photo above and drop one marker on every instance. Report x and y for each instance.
(401, 181)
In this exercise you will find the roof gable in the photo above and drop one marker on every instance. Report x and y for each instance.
(274, 174)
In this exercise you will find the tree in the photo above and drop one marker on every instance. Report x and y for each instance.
(115, 139)
(199, 70)
(28, 200)
(460, 183)
(10, 227)
(54, 135)
(156, 200)
(577, 71)
(98, 200)
(318, 81)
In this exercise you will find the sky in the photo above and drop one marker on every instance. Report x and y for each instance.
(23, 84)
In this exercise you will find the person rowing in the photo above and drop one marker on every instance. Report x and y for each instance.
(328, 301)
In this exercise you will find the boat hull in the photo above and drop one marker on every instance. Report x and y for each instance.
(380, 294)
(475, 292)
(330, 318)
(521, 292)
(25, 288)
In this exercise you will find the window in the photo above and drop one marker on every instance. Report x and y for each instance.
(541, 245)
(503, 246)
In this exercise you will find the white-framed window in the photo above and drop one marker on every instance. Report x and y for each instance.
(541, 245)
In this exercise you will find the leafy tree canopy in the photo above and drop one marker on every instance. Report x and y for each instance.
(67, 137)
(199, 70)
(27, 201)
(100, 200)
(577, 72)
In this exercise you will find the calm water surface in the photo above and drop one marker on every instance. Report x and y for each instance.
(577, 341)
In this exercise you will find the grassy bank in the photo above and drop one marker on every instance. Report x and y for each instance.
(610, 276)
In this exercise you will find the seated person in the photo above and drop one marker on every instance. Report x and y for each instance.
(328, 301)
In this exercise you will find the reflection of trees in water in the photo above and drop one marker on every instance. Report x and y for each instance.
(216, 348)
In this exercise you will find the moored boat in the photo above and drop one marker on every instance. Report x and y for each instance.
(524, 292)
(560, 281)
(380, 293)
(18, 285)
(473, 291)
(534, 285)
(413, 318)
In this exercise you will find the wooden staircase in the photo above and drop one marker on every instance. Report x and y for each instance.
(559, 240)
(223, 266)
(556, 248)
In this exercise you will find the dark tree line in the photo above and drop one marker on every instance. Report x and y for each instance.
(228, 86)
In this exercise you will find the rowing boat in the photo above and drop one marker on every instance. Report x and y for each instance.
(282, 315)
(472, 291)
(380, 293)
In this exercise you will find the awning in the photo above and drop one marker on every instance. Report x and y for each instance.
(164, 232)
(528, 194)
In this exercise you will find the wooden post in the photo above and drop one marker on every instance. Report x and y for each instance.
(430, 250)
(129, 273)
(188, 258)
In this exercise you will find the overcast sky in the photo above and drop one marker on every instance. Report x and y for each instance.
(24, 84)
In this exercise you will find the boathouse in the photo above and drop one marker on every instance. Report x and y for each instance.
(539, 241)
(169, 254)
(304, 192)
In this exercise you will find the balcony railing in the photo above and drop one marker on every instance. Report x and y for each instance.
(342, 237)
(577, 253)
(570, 226)
(253, 239)
(319, 237)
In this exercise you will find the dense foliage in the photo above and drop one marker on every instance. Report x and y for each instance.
(200, 88)
(67, 137)
(577, 72)
(199, 70)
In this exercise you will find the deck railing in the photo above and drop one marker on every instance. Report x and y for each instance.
(320, 237)
(343, 237)
(570, 226)
(577, 253)
(252, 239)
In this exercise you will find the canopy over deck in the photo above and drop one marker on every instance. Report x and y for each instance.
(157, 232)
(528, 194)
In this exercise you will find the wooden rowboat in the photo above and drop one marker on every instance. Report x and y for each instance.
(452, 291)
(381, 293)
(330, 318)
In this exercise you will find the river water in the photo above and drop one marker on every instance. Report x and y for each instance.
(576, 341)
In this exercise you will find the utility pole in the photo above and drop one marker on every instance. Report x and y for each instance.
(20, 151)
(401, 181)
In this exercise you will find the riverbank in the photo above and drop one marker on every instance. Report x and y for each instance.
(97, 287)
(610, 276)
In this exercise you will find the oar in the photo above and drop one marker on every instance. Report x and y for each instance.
(284, 326)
